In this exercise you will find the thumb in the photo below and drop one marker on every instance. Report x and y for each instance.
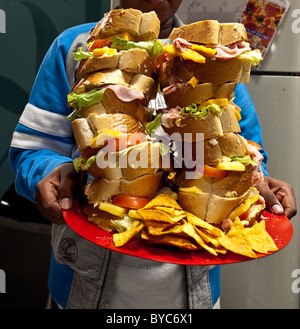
(272, 203)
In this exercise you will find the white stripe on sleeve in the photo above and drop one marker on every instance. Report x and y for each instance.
(32, 142)
(46, 122)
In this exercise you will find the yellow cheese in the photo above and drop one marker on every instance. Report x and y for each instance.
(222, 102)
(133, 214)
(238, 115)
(204, 50)
(242, 208)
(232, 166)
(193, 82)
(192, 189)
(112, 209)
(102, 139)
(171, 51)
(193, 56)
(101, 51)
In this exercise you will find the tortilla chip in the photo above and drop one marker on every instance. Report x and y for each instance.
(236, 240)
(260, 239)
(158, 215)
(189, 230)
(169, 239)
(201, 223)
(160, 228)
(163, 200)
(122, 238)
(209, 238)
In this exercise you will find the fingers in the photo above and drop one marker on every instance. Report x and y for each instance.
(46, 199)
(272, 203)
(55, 192)
(279, 197)
(69, 180)
(287, 198)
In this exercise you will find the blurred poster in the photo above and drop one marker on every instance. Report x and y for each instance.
(262, 20)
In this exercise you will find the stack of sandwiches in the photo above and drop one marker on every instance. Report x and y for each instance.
(118, 74)
(115, 80)
(198, 76)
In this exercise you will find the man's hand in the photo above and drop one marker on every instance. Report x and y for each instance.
(279, 196)
(55, 192)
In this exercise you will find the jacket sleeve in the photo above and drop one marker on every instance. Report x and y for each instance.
(250, 125)
(43, 138)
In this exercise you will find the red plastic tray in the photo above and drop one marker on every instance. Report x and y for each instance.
(279, 227)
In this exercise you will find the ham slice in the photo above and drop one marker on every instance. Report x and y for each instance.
(232, 51)
(126, 94)
(170, 116)
(181, 44)
(258, 176)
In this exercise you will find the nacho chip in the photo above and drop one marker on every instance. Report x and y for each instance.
(169, 239)
(163, 200)
(209, 238)
(201, 223)
(122, 238)
(189, 230)
(160, 228)
(260, 239)
(158, 215)
(236, 240)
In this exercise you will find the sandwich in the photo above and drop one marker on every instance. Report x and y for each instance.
(117, 70)
(223, 187)
(208, 52)
(125, 39)
(112, 91)
(212, 118)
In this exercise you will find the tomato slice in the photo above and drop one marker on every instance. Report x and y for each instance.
(123, 141)
(255, 144)
(130, 202)
(99, 44)
(214, 172)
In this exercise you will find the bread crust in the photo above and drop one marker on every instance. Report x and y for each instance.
(211, 32)
(141, 26)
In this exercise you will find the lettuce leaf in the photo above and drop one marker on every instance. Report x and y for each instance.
(83, 163)
(153, 125)
(253, 56)
(246, 159)
(78, 101)
(122, 225)
(80, 54)
(153, 47)
(200, 113)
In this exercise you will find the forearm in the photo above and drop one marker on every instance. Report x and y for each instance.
(31, 167)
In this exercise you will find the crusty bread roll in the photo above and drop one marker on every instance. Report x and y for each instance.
(117, 21)
(141, 26)
(211, 32)
(136, 61)
(117, 121)
(141, 160)
(199, 94)
(101, 78)
(93, 64)
(212, 126)
(86, 129)
(101, 190)
(209, 206)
